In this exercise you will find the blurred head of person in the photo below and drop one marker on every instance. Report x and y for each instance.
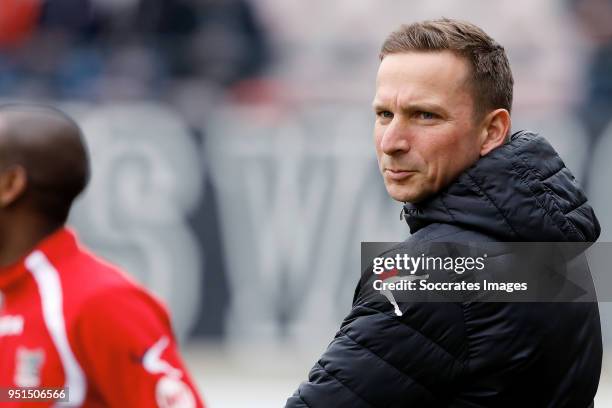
(44, 166)
(443, 100)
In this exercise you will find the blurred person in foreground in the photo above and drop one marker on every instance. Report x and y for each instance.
(67, 318)
(444, 146)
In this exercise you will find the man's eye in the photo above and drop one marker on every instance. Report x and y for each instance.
(385, 114)
(426, 115)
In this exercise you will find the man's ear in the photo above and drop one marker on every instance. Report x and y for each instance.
(496, 127)
(13, 182)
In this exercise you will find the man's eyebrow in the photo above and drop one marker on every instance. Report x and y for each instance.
(411, 107)
(378, 104)
(423, 106)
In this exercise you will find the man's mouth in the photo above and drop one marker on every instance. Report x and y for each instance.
(397, 174)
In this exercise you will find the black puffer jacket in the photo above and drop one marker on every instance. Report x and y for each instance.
(475, 354)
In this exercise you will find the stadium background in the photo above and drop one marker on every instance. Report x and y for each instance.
(234, 173)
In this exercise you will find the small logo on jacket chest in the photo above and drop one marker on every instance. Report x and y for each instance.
(28, 366)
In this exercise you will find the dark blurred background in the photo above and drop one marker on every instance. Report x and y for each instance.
(234, 173)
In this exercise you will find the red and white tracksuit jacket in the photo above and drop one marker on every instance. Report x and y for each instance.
(68, 319)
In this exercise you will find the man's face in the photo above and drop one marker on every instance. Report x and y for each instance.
(425, 131)
(6, 170)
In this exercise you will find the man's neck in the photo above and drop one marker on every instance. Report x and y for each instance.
(21, 238)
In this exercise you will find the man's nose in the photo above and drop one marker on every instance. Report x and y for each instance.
(395, 139)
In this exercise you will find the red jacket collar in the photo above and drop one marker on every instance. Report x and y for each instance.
(60, 243)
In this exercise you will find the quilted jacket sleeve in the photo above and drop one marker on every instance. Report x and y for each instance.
(380, 360)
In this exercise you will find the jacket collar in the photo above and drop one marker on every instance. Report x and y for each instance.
(521, 191)
(60, 243)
